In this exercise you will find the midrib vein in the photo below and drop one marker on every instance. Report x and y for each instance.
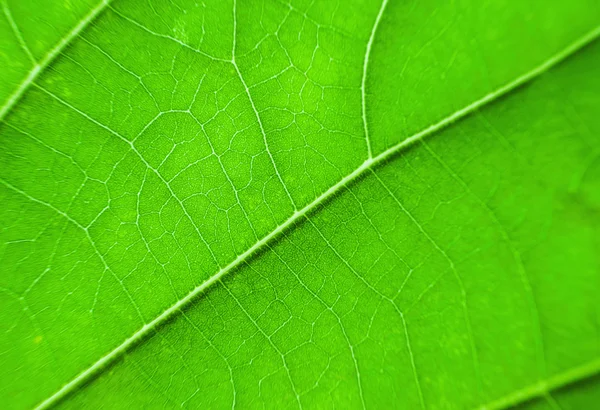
(544, 387)
(297, 216)
(49, 57)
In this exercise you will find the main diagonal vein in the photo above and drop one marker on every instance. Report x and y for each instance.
(545, 387)
(297, 216)
(49, 57)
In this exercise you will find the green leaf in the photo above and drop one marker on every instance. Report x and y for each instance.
(318, 204)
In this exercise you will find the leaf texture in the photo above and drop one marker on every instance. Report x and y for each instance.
(306, 205)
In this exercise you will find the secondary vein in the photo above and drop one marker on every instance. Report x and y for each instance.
(256, 113)
(299, 215)
(363, 82)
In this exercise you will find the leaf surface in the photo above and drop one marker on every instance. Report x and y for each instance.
(315, 204)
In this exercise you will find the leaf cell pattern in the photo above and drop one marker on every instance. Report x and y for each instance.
(305, 204)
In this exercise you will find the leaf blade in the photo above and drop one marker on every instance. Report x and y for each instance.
(143, 141)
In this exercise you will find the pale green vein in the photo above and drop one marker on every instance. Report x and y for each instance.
(544, 387)
(517, 257)
(258, 119)
(88, 238)
(17, 32)
(382, 296)
(459, 280)
(351, 347)
(49, 57)
(131, 145)
(164, 36)
(299, 215)
(363, 83)
(273, 345)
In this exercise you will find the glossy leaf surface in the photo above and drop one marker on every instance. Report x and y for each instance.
(310, 204)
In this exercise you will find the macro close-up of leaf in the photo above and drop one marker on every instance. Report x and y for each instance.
(300, 204)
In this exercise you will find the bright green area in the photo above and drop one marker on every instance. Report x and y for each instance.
(168, 138)
(29, 31)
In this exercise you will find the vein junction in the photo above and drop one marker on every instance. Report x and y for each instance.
(190, 118)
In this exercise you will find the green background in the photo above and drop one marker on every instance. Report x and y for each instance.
(147, 147)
